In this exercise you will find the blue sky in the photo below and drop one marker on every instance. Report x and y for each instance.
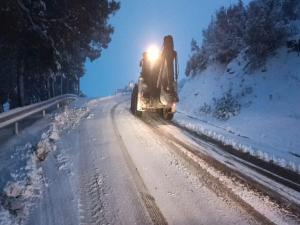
(138, 24)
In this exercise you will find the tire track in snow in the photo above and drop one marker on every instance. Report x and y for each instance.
(91, 201)
(188, 154)
(265, 189)
(92, 204)
(144, 194)
(279, 174)
(193, 158)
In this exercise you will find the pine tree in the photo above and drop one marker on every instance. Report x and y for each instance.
(222, 40)
(264, 30)
(198, 61)
(259, 29)
(291, 9)
(47, 43)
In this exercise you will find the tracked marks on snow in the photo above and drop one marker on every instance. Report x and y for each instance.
(146, 198)
(187, 153)
(268, 169)
(92, 204)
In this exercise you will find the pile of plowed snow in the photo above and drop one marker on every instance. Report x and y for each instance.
(26, 185)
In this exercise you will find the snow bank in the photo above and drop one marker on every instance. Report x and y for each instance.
(69, 119)
(19, 194)
(255, 112)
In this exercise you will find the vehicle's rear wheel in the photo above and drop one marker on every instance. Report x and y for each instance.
(160, 112)
(134, 99)
(167, 114)
(132, 103)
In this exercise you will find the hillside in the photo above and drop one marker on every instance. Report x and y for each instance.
(257, 112)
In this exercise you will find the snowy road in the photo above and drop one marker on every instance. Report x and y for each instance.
(117, 169)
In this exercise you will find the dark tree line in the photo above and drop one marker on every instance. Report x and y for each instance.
(45, 43)
(257, 29)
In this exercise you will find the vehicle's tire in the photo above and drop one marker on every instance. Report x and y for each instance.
(167, 114)
(134, 99)
(160, 112)
(139, 113)
(132, 103)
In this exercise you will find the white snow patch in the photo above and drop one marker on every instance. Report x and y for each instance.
(90, 116)
(260, 202)
(264, 114)
(19, 194)
(6, 218)
(95, 102)
(66, 120)
(13, 189)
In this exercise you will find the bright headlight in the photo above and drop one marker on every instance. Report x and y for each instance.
(153, 53)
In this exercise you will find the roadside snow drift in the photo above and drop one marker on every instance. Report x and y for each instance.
(26, 184)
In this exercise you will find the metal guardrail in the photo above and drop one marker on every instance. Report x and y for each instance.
(16, 115)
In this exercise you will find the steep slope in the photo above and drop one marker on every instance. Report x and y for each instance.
(259, 112)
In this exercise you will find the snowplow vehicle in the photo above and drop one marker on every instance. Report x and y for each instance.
(156, 90)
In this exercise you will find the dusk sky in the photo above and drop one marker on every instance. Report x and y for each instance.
(138, 24)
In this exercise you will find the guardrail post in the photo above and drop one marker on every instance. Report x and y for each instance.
(16, 128)
(44, 113)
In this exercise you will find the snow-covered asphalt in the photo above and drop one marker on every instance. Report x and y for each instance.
(117, 169)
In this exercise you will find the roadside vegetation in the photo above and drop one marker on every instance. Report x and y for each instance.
(257, 30)
(44, 45)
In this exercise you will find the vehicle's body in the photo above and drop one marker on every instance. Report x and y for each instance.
(156, 89)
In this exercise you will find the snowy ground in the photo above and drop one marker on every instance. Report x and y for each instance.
(98, 164)
(22, 176)
(264, 114)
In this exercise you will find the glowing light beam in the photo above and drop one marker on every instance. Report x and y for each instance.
(153, 53)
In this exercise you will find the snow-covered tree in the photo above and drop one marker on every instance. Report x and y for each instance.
(265, 30)
(48, 43)
(291, 9)
(258, 30)
(222, 40)
(198, 60)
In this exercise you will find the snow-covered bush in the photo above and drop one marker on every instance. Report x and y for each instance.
(226, 107)
(205, 108)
